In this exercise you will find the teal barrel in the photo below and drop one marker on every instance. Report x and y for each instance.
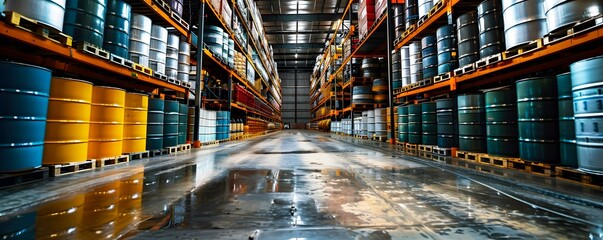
(501, 123)
(171, 123)
(446, 120)
(414, 124)
(472, 123)
(116, 38)
(24, 92)
(567, 129)
(362, 95)
(537, 120)
(85, 20)
(403, 124)
(222, 125)
(182, 123)
(429, 123)
(587, 88)
(155, 124)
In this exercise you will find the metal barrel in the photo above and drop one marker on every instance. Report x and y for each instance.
(223, 123)
(362, 95)
(155, 124)
(371, 123)
(231, 53)
(106, 122)
(587, 86)
(424, 7)
(59, 217)
(380, 91)
(184, 55)
(399, 25)
(171, 58)
(225, 37)
(501, 123)
(135, 123)
(430, 56)
(397, 70)
(49, 12)
(364, 130)
(446, 119)
(117, 28)
(524, 21)
(472, 123)
(85, 20)
(182, 123)
(567, 128)
(170, 123)
(411, 12)
(537, 117)
(158, 50)
(68, 121)
(176, 6)
(491, 35)
(371, 67)
(380, 122)
(214, 38)
(402, 123)
(429, 123)
(446, 49)
(416, 66)
(467, 34)
(563, 13)
(414, 124)
(24, 90)
(140, 39)
(405, 62)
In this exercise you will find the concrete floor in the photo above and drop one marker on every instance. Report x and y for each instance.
(299, 185)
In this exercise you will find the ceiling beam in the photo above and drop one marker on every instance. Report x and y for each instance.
(312, 53)
(300, 32)
(310, 17)
(298, 45)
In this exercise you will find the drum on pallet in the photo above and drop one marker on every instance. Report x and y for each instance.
(416, 66)
(222, 119)
(402, 123)
(429, 124)
(380, 122)
(158, 50)
(411, 12)
(171, 58)
(380, 91)
(371, 67)
(140, 39)
(117, 28)
(135, 123)
(85, 20)
(501, 123)
(467, 34)
(397, 70)
(424, 7)
(155, 124)
(472, 123)
(537, 117)
(24, 90)
(446, 119)
(399, 25)
(49, 12)
(414, 124)
(106, 122)
(214, 39)
(68, 124)
(362, 95)
(170, 123)
(184, 56)
(364, 127)
(430, 56)
(491, 36)
(405, 60)
(371, 123)
(446, 49)
(564, 13)
(567, 128)
(176, 6)
(524, 21)
(182, 123)
(587, 86)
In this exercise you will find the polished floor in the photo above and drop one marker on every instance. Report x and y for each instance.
(299, 185)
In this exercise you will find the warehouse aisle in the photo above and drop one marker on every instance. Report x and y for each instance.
(297, 184)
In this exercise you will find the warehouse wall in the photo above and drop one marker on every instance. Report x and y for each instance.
(296, 96)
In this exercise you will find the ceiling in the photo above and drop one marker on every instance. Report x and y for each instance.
(299, 27)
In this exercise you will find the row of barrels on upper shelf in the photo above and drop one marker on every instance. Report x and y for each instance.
(110, 25)
(247, 99)
(495, 27)
(55, 120)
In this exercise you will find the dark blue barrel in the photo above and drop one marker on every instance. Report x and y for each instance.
(397, 70)
(587, 88)
(182, 123)
(429, 123)
(414, 124)
(501, 123)
(411, 12)
(399, 26)
(491, 35)
(430, 56)
(170, 123)
(472, 123)
(467, 34)
(567, 129)
(24, 92)
(538, 119)
(446, 48)
(85, 20)
(362, 95)
(446, 119)
(403, 124)
(155, 124)
(176, 6)
(214, 38)
(117, 28)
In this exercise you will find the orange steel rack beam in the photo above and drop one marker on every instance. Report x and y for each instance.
(430, 21)
(166, 17)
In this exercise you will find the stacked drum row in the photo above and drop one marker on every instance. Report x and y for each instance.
(397, 70)
(415, 59)
(430, 57)
(446, 47)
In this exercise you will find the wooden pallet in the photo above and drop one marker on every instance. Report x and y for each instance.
(532, 167)
(495, 160)
(163, 5)
(216, 142)
(522, 49)
(442, 151)
(138, 155)
(41, 29)
(172, 149)
(437, 7)
(70, 168)
(411, 146)
(112, 161)
(173, 81)
(19, 178)
(425, 82)
(142, 69)
(93, 50)
(158, 152)
(441, 77)
(470, 156)
(160, 76)
(578, 176)
(184, 147)
(409, 30)
(572, 30)
(121, 61)
(426, 148)
(464, 69)
(423, 19)
(487, 61)
(379, 139)
(397, 91)
(184, 24)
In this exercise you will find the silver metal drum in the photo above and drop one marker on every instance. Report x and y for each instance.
(50, 12)
(140, 39)
(405, 55)
(171, 61)
(184, 57)
(467, 34)
(524, 21)
(371, 123)
(380, 122)
(364, 131)
(424, 7)
(562, 13)
(157, 55)
(491, 36)
(416, 65)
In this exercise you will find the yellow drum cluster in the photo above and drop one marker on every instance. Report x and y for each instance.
(135, 123)
(68, 123)
(106, 122)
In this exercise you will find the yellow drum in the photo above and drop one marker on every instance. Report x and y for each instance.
(68, 123)
(100, 211)
(135, 123)
(58, 219)
(106, 122)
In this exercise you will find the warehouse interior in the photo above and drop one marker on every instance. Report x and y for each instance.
(305, 119)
